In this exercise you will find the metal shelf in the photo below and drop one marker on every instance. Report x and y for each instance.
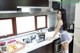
(22, 14)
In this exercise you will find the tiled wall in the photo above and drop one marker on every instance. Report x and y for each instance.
(70, 11)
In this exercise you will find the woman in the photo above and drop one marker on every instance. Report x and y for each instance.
(62, 28)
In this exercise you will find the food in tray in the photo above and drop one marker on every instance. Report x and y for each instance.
(11, 47)
(14, 47)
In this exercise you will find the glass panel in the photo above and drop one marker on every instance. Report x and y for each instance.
(6, 27)
(41, 22)
(25, 24)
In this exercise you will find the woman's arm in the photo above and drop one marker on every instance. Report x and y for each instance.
(60, 23)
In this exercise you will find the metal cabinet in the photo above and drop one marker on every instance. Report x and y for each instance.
(57, 46)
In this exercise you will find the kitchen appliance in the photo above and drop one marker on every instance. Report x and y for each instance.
(56, 5)
(57, 46)
(29, 39)
(71, 28)
(41, 37)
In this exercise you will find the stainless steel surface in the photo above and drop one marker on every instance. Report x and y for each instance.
(21, 14)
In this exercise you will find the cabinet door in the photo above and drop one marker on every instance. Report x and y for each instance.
(77, 15)
(25, 2)
(39, 50)
(40, 3)
(77, 35)
(76, 45)
(45, 49)
(8, 5)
